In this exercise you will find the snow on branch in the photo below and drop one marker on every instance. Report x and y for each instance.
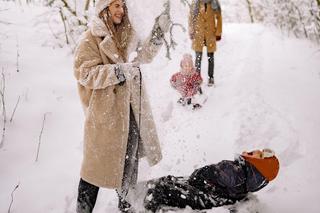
(171, 44)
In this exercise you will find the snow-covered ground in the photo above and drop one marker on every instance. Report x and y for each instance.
(267, 95)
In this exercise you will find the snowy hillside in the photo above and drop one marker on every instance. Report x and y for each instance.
(267, 95)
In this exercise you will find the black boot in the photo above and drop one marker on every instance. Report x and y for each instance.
(181, 101)
(200, 90)
(125, 206)
(196, 106)
(210, 82)
(189, 101)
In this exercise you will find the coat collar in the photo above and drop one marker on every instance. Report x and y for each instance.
(107, 45)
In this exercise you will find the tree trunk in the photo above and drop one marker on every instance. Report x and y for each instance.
(86, 7)
(318, 21)
(250, 8)
(64, 25)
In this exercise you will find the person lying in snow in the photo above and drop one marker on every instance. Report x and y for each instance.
(214, 185)
(187, 81)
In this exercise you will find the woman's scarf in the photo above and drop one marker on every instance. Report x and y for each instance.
(215, 5)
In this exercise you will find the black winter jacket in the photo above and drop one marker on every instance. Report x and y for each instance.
(210, 186)
(229, 179)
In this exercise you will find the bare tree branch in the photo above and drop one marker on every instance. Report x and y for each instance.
(186, 2)
(15, 188)
(66, 5)
(301, 20)
(86, 7)
(73, 12)
(250, 8)
(64, 25)
(15, 109)
(172, 44)
(38, 150)
(18, 54)
(4, 114)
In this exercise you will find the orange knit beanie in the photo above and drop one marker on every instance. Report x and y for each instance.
(268, 167)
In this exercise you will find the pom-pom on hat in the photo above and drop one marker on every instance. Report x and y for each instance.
(267, 164)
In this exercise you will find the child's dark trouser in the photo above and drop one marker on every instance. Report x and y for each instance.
(210, 63)
(87, 193)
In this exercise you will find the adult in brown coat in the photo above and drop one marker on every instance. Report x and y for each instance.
(119, 128)
(205, 28)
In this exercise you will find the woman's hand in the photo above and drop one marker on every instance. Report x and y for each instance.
(191, 33)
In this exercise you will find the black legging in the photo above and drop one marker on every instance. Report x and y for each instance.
(87, 196)
(87, 192)
(210, 63)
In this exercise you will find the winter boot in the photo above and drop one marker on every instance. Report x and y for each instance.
(181, 101)
(200, 90)
(211, 82)
(125, 207)
(196, 106)
(188, 101)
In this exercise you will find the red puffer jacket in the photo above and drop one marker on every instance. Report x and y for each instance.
(187, 85)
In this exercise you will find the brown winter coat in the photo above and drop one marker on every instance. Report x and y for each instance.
(107, 106)
(205, 27)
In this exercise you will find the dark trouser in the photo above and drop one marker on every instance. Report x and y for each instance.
(87, 193)
(170, 191)
(210, 63)
(130, 174)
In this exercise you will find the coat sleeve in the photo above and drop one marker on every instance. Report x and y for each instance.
(198, 79)
(176, 80)
(149, 48)
(219, 23)
(89, 69)
(173, 81)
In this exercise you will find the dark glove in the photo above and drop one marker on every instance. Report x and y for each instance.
(218, 38)
(121, 77)
(191, 35)
(127, 71)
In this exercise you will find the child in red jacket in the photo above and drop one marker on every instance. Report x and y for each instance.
(187, 81)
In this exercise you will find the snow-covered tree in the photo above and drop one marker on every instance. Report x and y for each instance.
(298, 17)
